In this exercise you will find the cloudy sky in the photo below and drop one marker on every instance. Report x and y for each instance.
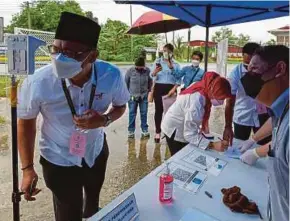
(104, 9)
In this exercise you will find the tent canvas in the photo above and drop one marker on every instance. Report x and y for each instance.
(217, 13)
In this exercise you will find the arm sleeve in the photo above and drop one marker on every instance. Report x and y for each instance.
(127, 78)
(193, 118)
(121, 94)
(152, 69)
(234, 79)
(179, 74)
(150, 81)
(28, 106)
(175, 72)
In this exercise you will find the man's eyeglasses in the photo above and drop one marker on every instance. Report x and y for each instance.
(71, 54)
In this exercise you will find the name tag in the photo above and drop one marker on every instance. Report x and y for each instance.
(127, 210)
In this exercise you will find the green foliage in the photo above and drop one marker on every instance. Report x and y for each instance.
(225, 32)
(115, 44)
(44, 14)
(271, 42)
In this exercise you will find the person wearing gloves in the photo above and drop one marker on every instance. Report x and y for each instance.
(165, 84)
(73, 95)
(267, 81)
(192, 109)
(192, 73)
(245, 113)
(250, 152)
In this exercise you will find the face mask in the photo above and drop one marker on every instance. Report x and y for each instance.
(195, 63)
(65, 67)
(253, 84)
(166, 55)
(216, 102)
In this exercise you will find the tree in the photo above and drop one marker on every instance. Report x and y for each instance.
(179, 47)
(242, 40)
(114, 43)
(271, 42)
(225, 32)
(44, 14)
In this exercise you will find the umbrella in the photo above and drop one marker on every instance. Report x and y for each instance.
(154, 22)
(217, 13)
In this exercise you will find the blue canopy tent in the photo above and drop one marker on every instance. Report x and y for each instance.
(216, 13)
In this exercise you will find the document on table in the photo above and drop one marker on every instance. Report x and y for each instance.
(196, 215)
(233, 152)
(185, 178)
(204, 161)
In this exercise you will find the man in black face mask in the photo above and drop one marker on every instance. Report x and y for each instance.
(268, 82)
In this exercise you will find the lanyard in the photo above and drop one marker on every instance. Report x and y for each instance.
(69, 99)
(194, 75)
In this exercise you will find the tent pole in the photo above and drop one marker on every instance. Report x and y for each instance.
(166, 37)
(188, 46)
(15, 195)
(207, 25)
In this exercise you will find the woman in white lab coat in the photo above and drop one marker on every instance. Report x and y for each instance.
(182, 122)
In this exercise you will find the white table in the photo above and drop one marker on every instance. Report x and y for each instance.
(251, 179)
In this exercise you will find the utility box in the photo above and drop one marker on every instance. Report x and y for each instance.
(21, 53)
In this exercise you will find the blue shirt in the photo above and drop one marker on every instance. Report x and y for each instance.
(189, 74)
(278, 162)
(166, 75)
(43, 93)
(246, 109)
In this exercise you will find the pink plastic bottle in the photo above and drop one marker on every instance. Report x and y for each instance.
(166, 186)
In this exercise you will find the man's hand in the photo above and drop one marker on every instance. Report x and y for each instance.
(228, 135)
(29, 182)
(157, 69)
(91, 119)
(171, 93)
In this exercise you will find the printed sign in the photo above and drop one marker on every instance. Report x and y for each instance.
(125, 211)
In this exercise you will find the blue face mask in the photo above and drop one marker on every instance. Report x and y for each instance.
(65, 67)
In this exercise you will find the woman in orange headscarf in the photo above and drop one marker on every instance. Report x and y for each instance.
(181, 124)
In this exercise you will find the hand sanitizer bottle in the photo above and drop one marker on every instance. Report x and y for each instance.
(166, 186)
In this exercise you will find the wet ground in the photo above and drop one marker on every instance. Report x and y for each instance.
(128, 163)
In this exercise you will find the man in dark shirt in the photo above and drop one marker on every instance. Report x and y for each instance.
(139, 83)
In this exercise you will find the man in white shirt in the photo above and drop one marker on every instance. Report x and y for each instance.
(246, 113)
(72, 94)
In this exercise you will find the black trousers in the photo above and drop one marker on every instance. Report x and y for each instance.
(159, 91)
(243, 132)
(174, 146)
(67, 185)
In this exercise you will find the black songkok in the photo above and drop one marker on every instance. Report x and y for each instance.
(73, 27)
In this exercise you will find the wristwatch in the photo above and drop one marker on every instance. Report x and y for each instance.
(108, 120)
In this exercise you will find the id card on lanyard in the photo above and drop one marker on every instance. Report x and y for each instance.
(78, 139)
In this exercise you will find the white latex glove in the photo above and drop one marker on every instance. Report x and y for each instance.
(247, 145)
(250, 157)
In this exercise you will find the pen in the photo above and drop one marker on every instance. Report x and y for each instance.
(208, 194)
(220, 139)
